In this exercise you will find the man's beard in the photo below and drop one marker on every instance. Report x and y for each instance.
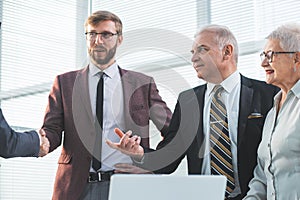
(110, 54)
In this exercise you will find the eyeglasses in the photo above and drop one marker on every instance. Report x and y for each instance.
(91, 36)
(270, 54)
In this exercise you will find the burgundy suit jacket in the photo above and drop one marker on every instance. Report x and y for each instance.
(69, 118)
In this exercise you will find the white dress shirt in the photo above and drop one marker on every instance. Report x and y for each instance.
(231, 98)
(277, 175)
(113, 112)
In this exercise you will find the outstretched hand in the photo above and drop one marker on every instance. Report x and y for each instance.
(44, 144)
(129, 145)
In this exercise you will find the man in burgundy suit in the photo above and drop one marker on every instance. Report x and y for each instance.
(130, 100)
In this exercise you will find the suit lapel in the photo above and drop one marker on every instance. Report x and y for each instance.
(200, 93)
(81, 90)
(127, 92)
(82, 112)
(246, 98)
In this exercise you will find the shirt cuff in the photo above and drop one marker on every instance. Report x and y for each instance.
(140, 162)
(40, 137)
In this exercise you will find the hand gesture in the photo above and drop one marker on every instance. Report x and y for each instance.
(129, 145)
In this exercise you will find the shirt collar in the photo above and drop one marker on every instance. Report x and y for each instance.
(111, 71)
(228, 84)
(296, 89)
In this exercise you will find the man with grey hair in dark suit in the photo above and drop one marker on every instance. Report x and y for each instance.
(247, 101)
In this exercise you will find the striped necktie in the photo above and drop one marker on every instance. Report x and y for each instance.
(220, 151)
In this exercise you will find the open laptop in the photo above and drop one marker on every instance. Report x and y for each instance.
(165, 187)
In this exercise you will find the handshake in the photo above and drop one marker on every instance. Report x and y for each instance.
(44, 143)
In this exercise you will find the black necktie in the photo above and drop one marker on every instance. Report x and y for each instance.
(99, 124)
(220, 152)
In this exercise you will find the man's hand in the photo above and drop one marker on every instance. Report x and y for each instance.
(129, 145)
(130, 169)
(44, 143)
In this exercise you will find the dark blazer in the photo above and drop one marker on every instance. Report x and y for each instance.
(256, 98)
(69, 112)
(15, 144)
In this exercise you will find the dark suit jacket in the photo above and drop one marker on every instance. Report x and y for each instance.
(15, 144)
(69, 111)
(187, 125)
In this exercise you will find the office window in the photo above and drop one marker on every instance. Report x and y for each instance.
(40, 39)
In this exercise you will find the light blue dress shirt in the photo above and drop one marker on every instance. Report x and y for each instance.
(277, 175)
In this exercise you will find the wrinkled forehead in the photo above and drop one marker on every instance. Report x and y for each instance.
(204, 38)
(272, 45)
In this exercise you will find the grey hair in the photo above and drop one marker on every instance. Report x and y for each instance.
(288, 35)
(223, 37)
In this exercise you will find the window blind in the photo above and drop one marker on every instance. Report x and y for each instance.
(40, 39)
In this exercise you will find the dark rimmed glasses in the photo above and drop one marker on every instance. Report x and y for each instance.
(270, 54)
(91, 36)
